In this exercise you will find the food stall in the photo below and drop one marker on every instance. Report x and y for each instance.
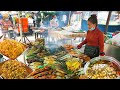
(67, 61)
(62, 61)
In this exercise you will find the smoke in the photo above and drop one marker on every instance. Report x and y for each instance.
(59, 15)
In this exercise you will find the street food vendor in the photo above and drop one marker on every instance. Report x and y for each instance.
(94, 40)
(30, 21)
(54, 22)
(6, 23)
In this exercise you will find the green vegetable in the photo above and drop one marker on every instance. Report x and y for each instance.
(31, 56)
(41, 66)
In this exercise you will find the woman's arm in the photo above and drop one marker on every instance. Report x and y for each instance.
(80, 45)
(57, 24)
(101, 42)
(50, 23)
(84, 42)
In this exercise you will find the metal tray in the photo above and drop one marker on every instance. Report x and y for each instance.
(29, 70)
(108, 58)
(6, 57)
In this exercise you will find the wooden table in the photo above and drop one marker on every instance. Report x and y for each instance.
(37, 32)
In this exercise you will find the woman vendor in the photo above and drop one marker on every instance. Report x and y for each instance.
(6, 23)
(94, 40)
(54, 22)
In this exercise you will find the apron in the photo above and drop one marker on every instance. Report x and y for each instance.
(91, 51)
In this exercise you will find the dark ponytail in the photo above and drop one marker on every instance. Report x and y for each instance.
(93, 19)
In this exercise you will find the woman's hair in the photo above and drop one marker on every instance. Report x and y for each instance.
(33, 13)
(93, 19)
(53, 16)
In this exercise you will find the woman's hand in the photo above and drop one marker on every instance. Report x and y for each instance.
(102, 54)
(79, 46)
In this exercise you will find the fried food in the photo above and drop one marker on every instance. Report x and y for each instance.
(73, 53)
(83, 77)
(35, 65)
(44, 73)
(11, 48)
(102, 70)
(84, 57)
(73, 64)
(68, 47)
(60, 54)
(49, 60)
(13, 69)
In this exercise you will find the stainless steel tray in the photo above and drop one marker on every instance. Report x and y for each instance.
(108, 58)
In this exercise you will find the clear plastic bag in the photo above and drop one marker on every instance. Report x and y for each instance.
(116, 40)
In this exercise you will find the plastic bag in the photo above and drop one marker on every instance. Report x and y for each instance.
(115, 40)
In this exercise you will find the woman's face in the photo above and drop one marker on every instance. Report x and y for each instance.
(54, 17)
(91, 25)
(6, 19)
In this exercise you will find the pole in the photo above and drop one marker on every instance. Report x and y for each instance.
(107, 22)
(20, 26)
(69, 18)
(82, 17)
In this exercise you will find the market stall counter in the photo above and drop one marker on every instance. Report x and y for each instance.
(56, 62)
(66, 62)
